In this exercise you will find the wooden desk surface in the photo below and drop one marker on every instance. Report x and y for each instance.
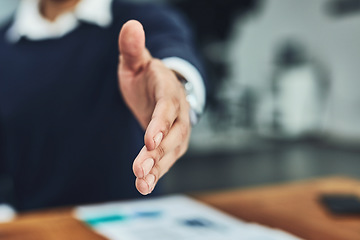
(291, 207)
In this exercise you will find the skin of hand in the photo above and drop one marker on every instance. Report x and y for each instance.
(158, 101)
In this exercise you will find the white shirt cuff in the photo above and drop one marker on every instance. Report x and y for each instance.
(192, 75)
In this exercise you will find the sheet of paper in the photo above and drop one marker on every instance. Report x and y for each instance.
(7, 213)
(174, 217)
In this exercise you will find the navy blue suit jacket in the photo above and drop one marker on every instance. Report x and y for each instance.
(66, 136)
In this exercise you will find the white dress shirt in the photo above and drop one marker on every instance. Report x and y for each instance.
(31, 24)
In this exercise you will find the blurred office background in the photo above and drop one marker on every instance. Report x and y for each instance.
(283, 102)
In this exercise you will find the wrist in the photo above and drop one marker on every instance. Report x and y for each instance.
(191, 99)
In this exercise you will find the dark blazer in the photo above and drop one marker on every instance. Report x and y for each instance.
(66, 136)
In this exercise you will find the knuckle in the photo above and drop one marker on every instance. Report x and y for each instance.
(178, 151)
(175, 103)
(167, 126)
(156, 172)
(184, 131)
(160, 153)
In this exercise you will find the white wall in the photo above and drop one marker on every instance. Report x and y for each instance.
(6, 8)
(335, 41)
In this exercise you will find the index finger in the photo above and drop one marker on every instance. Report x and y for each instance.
(165, 113)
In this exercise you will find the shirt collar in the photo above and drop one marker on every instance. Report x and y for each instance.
(29, 23)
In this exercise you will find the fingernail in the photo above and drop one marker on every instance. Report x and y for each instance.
(157, 139)
(150, 180)
(147, 166)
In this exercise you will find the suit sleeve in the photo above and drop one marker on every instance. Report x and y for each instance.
(168, 37)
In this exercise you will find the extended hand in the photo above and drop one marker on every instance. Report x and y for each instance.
(157, 99)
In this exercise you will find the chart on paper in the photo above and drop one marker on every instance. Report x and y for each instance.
(174, 217)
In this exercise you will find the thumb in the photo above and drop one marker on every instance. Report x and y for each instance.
(133, 54)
